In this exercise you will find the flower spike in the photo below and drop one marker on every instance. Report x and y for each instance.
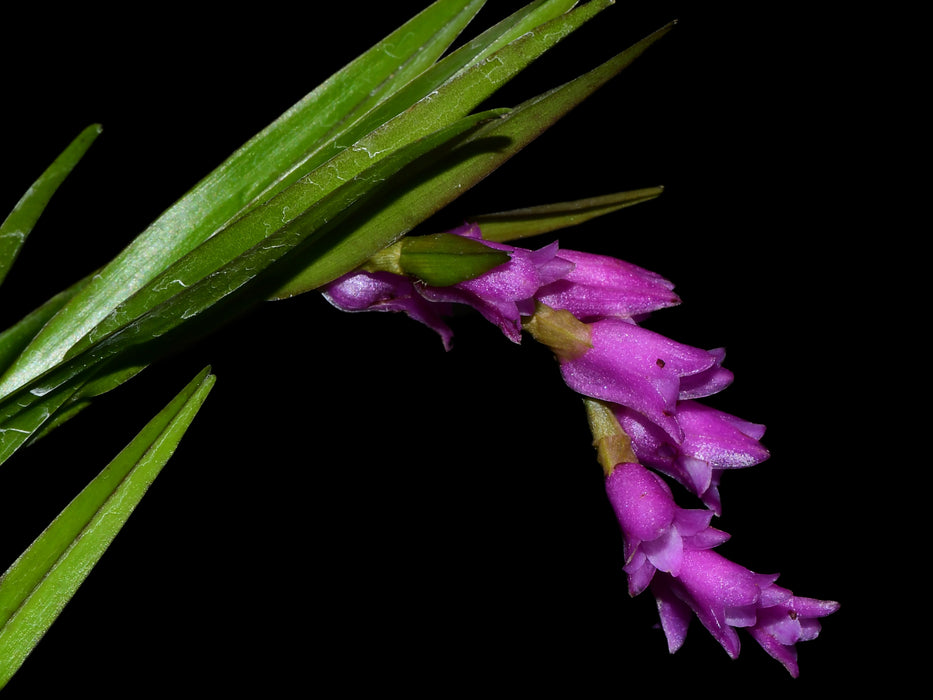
(640, 390)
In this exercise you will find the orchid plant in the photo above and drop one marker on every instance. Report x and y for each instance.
(330, 199)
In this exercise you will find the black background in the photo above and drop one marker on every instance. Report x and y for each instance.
(353, 505)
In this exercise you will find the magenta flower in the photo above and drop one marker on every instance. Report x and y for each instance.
(789, 620)
(724, 596)
(502, 295)
(642, 370)
(586, 308)
(589, 286)
(384, 291)
(656, 531)
(670, 549)
(713, 441)
(602, 287)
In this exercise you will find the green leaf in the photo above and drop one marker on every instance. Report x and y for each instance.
(22, 417)
(314, 218)
(449, 105)
(250, 234)
(19, 224)
(263, 166)
(533, 221)
(437, 26)
(26, 410)
(38, 585)
(393, 103)
(238, 254)
(463, 166)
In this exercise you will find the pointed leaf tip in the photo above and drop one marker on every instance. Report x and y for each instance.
(534, 221)
(19, 223)
(38, 585)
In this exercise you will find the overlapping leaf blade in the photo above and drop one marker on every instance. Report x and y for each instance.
(393, 103)
(452, 101)
(26, 410)
(161, 244)
(38, 585)
(404, 92)
(472, 160)
(266, 164)
(304, 218)
(444, 106)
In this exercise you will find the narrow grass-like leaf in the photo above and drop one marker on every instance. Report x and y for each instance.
(533, 221)
(38, 585)
(528, 18)
(19, 224)
(24, 415)
(467, 164)
(28, 408)
(245, 248)
(445, 21)
(392, 104)
(306, 214)
(264, 165)
(411, 132)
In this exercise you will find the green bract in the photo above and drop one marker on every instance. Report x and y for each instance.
(345, 173)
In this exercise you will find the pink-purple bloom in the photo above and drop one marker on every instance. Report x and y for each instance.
(384, 291)
(643, 370)
(725, 596)
(656, 530)
(787, 620)
(589, 286)
(670, 549)
(651, 385)
(503, 296)
(712, 441)
(598, 286)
